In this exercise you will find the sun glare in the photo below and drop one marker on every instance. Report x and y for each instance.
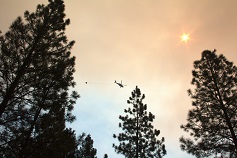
(184, 37)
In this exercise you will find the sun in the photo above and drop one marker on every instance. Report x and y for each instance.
(184, 37)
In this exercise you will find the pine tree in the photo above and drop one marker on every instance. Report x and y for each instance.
(213, 120)
(36, 71)
(139, 138)
(86, 149)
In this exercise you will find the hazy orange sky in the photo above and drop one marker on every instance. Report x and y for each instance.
(138, 41)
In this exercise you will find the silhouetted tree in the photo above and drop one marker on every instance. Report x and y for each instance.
(213, 120)
(59, 144)
(35, 75)
(139, 139)
(85, 145)
(105, 156)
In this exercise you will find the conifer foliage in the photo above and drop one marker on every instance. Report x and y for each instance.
(36, 71)
(139, 138)
(85, 147)
(213, 120)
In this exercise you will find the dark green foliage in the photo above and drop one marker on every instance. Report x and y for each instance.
(53, 144)
(105, 156)
(35, 76)
(213, 120)
(139, 138)
(85, 145)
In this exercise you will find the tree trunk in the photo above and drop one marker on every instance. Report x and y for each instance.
(224, 109)
(227, 118)
(10, 91)
(23, 148)
(36, 116)
(137, 147)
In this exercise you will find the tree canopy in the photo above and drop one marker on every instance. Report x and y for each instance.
(213, 120)
(85, 147)
(36, 72)
(139, 138)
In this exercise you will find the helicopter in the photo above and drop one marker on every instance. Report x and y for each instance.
(121, 85)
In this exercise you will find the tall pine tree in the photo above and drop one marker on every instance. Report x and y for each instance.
(213, 120)
(36, 71)
(139, 138)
